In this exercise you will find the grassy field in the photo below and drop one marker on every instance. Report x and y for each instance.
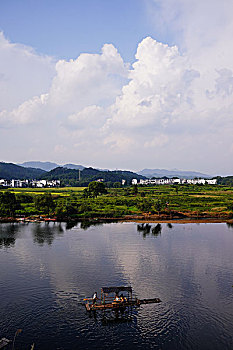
(164, 201)
(43, 190)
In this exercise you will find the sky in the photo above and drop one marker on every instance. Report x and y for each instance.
(124, 84)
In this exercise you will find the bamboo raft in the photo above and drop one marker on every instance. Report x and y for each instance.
(107, 302)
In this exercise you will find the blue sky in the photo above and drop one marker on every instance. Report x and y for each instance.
(118, 84)
(65, 29)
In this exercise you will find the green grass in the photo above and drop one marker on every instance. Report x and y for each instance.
(44, 190)
(117, 202)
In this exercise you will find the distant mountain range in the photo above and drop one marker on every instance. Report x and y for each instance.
(68, 176)
(172, 173)
(47, 166)
(73, 174)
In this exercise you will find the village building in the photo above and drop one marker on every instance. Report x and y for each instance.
(176, 181)
(15, 183)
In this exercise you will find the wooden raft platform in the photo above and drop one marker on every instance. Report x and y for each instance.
(111, 299)
(150, 301)
(121, 305)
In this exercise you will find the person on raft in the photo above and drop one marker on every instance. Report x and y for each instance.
(117, 298)
(94, 298)
(122, 298)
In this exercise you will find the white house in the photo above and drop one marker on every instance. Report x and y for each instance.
(177, 181)
(3, 183)
(212, 182)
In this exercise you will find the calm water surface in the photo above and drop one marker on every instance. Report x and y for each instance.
(47, 269)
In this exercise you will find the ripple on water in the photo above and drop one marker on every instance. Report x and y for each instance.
(45, 273)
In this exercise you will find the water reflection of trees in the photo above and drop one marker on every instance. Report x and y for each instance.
(71, 224)
(7, 235)
(230, 224)
(147, 229)
(86, 224)
(83, 224)
(45, 233)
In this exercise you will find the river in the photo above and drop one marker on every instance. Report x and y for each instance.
(47, 269)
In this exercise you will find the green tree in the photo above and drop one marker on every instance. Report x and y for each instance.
(60, 209)
(95, 188)
(116, 184)
(65, 208)
(85, 193)
(135, 189)
(158, 206)
(45, 203)
(144, 205)
(8, 204)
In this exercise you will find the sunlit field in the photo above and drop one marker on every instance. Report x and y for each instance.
(158, 201)
(60, 191)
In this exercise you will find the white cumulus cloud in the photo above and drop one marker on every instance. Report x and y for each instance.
(173, 107)
(23, 73)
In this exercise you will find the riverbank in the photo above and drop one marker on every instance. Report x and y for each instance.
(142, 204)
(127, 218)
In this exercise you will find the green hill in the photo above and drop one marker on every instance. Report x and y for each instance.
(10, 171)
(61, 173)
(71, 176)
